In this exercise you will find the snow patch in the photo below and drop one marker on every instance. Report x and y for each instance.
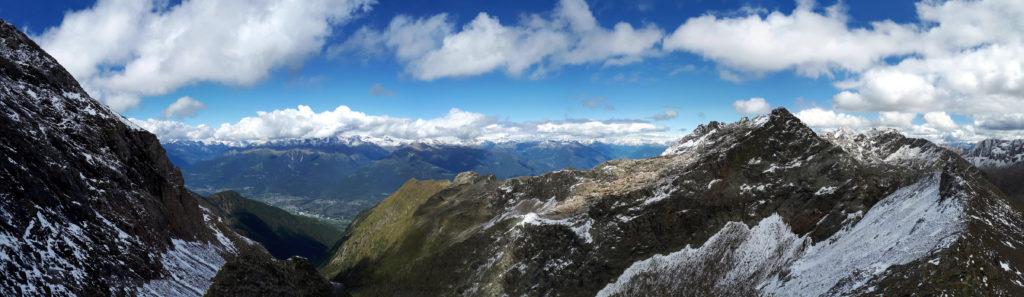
(190, 268)
(580, 226)
(909, 224)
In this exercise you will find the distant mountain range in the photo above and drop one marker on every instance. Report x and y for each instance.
(1002, 161)
(336, 178)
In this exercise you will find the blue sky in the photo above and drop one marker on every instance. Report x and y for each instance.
(689, 81)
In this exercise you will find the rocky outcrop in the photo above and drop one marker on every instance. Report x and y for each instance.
(254, 273)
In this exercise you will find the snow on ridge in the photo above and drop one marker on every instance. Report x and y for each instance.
(191, 265)
(909, 224)
(190, 268)
(748, 253)
(688, 143)
(885, 146)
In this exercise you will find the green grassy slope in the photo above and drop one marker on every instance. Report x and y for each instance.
(383, 227)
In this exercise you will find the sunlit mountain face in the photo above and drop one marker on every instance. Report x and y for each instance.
(529, 148)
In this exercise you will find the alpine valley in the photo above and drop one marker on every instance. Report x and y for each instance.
(337, 178)
(92, 205)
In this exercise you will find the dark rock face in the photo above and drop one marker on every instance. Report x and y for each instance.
(90, 205)
(256, 274)
(757, 207)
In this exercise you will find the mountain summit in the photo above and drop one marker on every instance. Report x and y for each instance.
(762, 206)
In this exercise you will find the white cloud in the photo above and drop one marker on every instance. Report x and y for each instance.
(171, 130)
(431, 48)
(124, 49)
(962, 57)
(457, 126)
(183, 107)
(940, 120)
(827, 119)
(984, 80)
(811, 42)
(595, 128)
(752, 106)
(896, 119)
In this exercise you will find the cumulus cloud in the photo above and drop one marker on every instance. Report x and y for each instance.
(896, 119)
(983, 80)
(124, 49)
(940, 120)
(822, 118)
(457, 126)
(806, 40)
(752, 106)
(432, 47)
(959, 56)
(184, 107)
(173, 130)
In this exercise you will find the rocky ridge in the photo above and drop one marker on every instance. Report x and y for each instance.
(763, 206)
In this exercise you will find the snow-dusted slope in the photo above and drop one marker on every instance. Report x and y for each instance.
(89, 204)
(910, 224)
(996, 153)
(888, 147)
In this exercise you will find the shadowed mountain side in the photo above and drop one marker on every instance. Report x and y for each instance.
(283, 234)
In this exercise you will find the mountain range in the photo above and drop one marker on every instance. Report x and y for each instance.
(1002, 161)
(760, 207)
(336, 178)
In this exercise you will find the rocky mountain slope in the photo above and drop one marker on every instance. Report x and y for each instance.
(283, 234)
(758, 207)
(91, 205)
